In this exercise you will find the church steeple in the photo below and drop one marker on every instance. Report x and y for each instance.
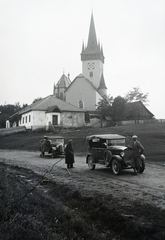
(92, 51)
(92, 40)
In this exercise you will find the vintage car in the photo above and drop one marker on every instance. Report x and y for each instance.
(54, 145)
(110, 151)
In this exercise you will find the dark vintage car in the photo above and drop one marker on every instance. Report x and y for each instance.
(110, 151)
(54, 145)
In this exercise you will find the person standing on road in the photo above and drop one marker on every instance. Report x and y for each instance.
(137, 150)
(69, 154)
(45, 143)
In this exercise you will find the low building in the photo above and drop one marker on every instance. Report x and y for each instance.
(49, 112)
(137, 111)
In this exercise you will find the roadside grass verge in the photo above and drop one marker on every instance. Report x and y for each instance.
(57, 211)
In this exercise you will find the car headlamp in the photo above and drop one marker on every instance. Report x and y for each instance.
(122, 154)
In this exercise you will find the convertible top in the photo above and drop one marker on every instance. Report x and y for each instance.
(106, 136)
(54, 136)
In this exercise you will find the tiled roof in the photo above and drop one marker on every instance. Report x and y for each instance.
(50, 102)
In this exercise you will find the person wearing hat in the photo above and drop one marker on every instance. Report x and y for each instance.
(45, 145)
(69, 154)
(137, 150)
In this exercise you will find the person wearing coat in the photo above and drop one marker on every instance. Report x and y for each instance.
(137, 150)
(69, 154)
(45, 145)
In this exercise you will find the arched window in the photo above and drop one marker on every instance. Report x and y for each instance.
(81, 104)
(61, 96)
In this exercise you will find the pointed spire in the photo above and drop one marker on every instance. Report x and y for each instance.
(92, 51)
(102, 89)
(102, 83)
(92, 40)
(83, 46)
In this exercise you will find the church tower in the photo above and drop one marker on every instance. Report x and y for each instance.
(61, 86)
(92, 60)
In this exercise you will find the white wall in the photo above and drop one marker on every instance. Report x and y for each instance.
(27, 120)
(33, 120)
(49, 119)
(82, 90)
(97, 71)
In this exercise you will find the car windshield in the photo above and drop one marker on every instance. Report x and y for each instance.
(115, 142)
(57, 140)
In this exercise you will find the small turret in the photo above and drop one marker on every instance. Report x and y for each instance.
(102, 89)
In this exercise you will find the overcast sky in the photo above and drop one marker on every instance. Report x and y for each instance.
(41, 39)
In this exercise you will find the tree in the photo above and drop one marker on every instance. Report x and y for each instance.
(136, 95)
(118, 109)
(105, 106)
(37, 99)
(7, 110)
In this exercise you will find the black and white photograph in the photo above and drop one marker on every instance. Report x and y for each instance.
(82, 119)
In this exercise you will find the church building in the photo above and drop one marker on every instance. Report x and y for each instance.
(88, 87)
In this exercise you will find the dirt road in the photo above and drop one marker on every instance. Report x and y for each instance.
(148, 187)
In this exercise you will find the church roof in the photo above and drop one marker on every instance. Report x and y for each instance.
(86, 79)
(63, 82)
(102, 83)
(48, 103)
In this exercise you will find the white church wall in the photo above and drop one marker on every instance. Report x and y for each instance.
(81, 90)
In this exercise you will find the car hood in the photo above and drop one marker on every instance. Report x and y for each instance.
(121, 148)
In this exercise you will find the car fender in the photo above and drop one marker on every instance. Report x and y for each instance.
(143, 158)
(116, 157)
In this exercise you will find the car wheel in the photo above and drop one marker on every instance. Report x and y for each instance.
(90, 163)
(142, 166)
(116, 166)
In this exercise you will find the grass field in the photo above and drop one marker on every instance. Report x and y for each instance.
(152, 137)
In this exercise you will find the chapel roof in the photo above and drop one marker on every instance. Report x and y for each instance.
(63, 82)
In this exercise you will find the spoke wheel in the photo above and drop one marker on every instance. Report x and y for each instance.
(116, 166)
(90, 163)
